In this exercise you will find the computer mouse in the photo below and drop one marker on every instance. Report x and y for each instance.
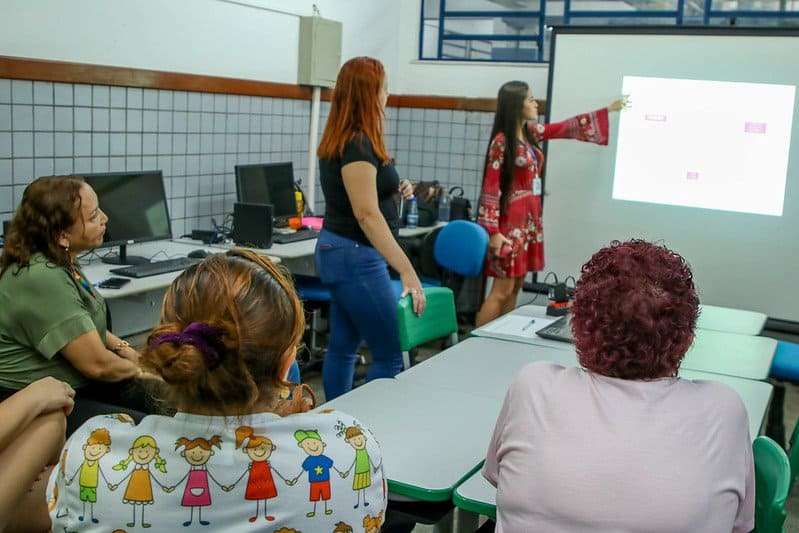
(198, 254)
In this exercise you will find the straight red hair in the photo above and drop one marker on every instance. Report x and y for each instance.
(355, 109)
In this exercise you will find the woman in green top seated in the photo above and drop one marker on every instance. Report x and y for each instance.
(53, 322)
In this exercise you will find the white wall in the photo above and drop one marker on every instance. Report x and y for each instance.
(251, 39)
(195, 36)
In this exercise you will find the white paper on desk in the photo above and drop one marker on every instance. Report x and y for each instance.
(517, 325)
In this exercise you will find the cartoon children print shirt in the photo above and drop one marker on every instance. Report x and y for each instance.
(301, 473)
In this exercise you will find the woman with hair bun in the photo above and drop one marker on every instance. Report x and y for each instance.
(623, 443)
(227, 337)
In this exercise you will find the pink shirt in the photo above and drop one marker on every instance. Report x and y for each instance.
(576, 451)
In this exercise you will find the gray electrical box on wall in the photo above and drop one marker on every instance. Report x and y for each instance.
(320, 51)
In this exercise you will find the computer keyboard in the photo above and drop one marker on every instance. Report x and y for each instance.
(300, 235)
(559, 330)
(153, 269)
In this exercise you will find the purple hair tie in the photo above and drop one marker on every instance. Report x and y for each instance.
(202, 336)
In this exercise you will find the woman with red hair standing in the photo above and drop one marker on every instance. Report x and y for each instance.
(359, 237)
(623, 444)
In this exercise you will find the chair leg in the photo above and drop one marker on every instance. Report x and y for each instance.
(406, 360)
(775, 425)
(314, 315)
(453, 338)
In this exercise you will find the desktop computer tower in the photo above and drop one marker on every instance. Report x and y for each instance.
(252, 225)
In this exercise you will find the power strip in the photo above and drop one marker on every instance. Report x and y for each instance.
(543, 288)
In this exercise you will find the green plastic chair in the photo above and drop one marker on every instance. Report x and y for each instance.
(793, 454)
(772, 484)
(437, 321)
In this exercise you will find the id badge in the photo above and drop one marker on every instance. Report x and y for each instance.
(537, 186)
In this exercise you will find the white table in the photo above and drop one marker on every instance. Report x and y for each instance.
(458, 393)
(298, 256)
(485, 367)
(730, 353)
(432, 438)
(97, 271)
(528, 337)
(731, 320)
(476, 495)
(481, 366)
(136, 306)
(714, 351)
(296, 250)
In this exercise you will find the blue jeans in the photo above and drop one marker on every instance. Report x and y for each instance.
(294, 373)
(363, 308)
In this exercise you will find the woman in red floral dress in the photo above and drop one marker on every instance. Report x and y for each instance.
(510, 203)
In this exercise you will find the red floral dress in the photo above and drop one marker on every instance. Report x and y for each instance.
(521, 221)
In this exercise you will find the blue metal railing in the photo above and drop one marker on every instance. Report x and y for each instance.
(745, 13)
(676, 14)
(452, 39)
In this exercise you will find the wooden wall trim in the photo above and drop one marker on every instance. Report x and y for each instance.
(66, 72)
(60, 71)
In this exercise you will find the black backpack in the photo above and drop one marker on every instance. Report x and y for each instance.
(460, 208)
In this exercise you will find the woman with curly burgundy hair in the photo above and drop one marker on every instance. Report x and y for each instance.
(623, 444)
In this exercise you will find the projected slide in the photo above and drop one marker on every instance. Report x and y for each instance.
(707, 144)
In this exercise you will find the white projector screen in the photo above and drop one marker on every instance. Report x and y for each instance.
(706, 159)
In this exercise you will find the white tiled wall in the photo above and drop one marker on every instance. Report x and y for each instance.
(196, 139)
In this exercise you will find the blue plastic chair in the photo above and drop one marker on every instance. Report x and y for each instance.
(461, 247)
(312, 291)
(785, 365)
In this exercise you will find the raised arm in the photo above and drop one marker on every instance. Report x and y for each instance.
(590, 127)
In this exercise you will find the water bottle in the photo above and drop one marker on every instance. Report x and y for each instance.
(413, 214)
(443, 208)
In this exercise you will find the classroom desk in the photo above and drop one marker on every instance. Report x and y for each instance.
(432, 438)
(298, 257)
(478, 496)
(533, 311)
(136, 306)
(732, 354)
(731, 320)
(96, 271)
(720, 352)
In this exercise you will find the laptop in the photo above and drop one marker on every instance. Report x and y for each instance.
(559, 330)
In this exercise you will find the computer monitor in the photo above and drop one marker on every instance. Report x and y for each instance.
(268, 183)
(137, 210)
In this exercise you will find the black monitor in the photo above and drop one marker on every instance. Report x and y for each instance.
(268, 183)
(137, 210)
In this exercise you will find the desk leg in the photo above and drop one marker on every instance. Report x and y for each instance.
(465, 522)
(457, 521)
(446, 524)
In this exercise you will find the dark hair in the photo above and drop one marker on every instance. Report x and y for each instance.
(252, 302)
(635, 310)
(507, 119)
(50, 206)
